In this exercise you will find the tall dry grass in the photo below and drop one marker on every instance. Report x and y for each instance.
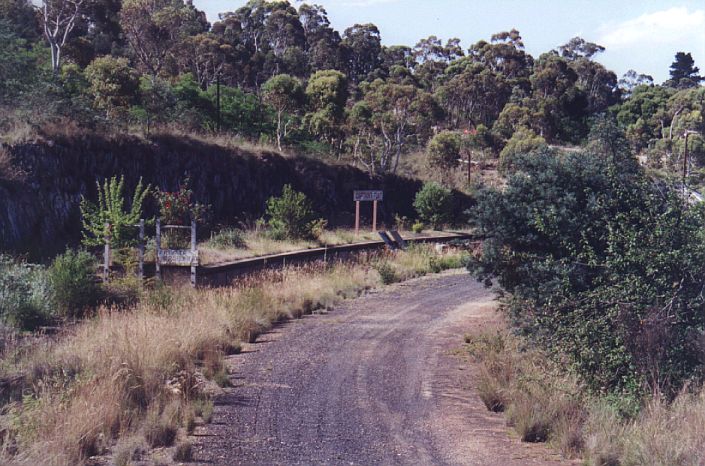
(543, 402)
(141, 371)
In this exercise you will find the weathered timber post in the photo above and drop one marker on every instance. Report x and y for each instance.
(374, 216)
(106, 254)
(158, 250)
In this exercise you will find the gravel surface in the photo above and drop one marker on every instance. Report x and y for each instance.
(373, 382)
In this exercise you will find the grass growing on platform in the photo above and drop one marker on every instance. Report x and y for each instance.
(251, 243)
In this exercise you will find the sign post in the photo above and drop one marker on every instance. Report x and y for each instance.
(367, 196)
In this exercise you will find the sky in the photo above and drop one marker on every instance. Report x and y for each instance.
(643, 35)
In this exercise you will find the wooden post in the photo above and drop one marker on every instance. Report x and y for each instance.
(194, 261)
(141, 251)
(374, 216)
(357, 218)
(106, 254)
(158, 249)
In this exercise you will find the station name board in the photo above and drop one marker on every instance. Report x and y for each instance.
(368, 196)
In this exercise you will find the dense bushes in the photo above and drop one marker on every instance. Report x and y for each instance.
(25, 295)
(604, 265)
(31, 295)
(434, 204)
(73, 283)
(291, 215)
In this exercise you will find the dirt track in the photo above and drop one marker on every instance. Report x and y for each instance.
(373, 382)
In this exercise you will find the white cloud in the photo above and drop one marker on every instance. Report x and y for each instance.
(360, 3)
(661, 27)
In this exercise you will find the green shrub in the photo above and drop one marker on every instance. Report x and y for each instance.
(523, 141)
(604, 267)
(434, 204)
(73, 281)
(443, 151)
(228, 238)
(110, 209)
(386, 272)
(318, 227)
(290, 215)
(25, 294)
(417, 227)
(453, 261)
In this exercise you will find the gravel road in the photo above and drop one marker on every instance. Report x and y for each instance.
(375, 381)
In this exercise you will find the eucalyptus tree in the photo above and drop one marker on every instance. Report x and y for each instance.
(391, 117)
(327, 94)
(156, 29)
(322, 41)
(362, 49)
(471, 93)
(285, 94)
(59, 18)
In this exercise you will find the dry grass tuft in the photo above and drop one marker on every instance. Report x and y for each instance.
(542, 403)
(663, 434)
(183, 451)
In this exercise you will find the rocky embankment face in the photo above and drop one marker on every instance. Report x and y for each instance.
(39, 211)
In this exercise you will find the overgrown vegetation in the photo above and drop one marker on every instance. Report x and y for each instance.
(109, 217)
(604, 265)
(543, 402)
(601, 267)
(291, 216)
(25, 294)
(434, 205)
(74, 283)
(139, 371)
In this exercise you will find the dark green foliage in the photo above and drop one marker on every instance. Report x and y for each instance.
(290, 215)
(25, 294)
(17, 63)
(434, 204)
(683, 71)
(603, 264)
(74, 283)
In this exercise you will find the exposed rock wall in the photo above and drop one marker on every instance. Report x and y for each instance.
(39, 214)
